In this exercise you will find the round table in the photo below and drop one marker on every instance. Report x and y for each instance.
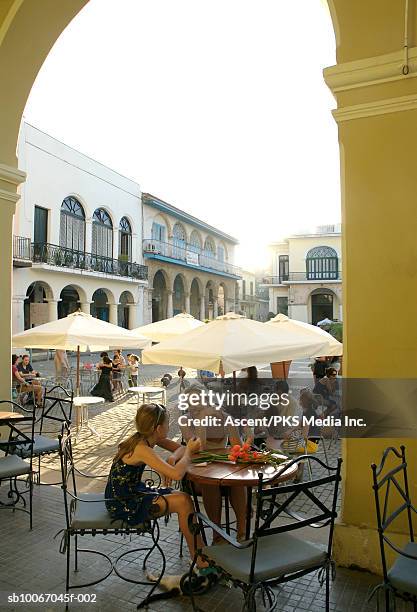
(148, 392)
(218, 474)
(81, 404)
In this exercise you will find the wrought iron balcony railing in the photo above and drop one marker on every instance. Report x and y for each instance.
(55, 255)
(190, 254)
(22, 254)
(293, 277)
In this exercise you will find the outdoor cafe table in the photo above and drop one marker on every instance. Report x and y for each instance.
(219, 474)
(81, 404)
(6, 419)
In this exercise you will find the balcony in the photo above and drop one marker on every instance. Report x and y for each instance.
(22, 256)
(63, 257)
(186, 255)
(303, 277)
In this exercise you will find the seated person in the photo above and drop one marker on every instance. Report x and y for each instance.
(24, 385)
(287, 408)
(215, 437)
(128, 498)
(328, 388)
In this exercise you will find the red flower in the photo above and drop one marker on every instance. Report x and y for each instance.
(246, 446)
(231, 458)
(236, 448)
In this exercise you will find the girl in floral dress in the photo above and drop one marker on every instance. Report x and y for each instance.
(129, 498)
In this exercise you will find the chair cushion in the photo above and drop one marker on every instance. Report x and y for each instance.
(403, 574)
(277, 555)
(42, 445)
(13, 466)
(91, 513)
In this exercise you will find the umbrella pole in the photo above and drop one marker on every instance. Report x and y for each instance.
(78, 371)
(234, 381)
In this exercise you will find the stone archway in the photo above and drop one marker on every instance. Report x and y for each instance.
(103, 302)
(36, 309)
(377, 103)
(70, 301)
(123, 318)
(195, 299)
(322, 305)
(159, 296)
(178, 296)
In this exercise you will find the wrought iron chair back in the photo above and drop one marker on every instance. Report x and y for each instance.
(72, 499)
(385, 484)
(56, 407)
(269, 506)
(22, 433)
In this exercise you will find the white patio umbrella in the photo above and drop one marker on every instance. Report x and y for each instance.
(79, 332)
(289, 329)
(229, 343)
(169, 328)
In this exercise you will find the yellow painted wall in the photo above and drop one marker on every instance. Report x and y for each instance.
(379, 187)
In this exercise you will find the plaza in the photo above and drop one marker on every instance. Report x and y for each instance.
(375, 90)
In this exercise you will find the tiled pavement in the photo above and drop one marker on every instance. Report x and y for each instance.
(30, 561)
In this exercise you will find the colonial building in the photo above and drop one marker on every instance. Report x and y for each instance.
(77, 237)
(252, 299)
(190, 263)
(306, 280)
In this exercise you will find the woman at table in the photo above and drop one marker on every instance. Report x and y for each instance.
(130, 499)
(103, 387)
(215, 437)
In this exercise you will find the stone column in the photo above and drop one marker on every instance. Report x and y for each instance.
(113, 313)
(18, 314)
(202, 308)
(10, 178)
(187, 303)
(85, 307)
(215, 308)
(170, 307)
(52, 310)
(376, 112)
(134, 315)
(147, 305)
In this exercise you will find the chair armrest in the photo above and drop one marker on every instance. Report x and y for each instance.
(217, 529)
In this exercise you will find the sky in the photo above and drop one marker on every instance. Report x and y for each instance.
(216, 106)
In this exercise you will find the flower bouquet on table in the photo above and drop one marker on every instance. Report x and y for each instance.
(242, 454)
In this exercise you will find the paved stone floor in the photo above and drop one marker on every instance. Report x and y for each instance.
(30, 561)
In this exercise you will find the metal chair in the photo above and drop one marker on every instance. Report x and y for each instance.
(56, 409)
(12, 466)
(86, 514)
(401, 579)
(273, 556)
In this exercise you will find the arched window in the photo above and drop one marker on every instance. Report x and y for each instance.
(195, 242)
(179, 243)
(209, 247)
(125, 240)
(322, 263)
(72, 225)
(102, 243)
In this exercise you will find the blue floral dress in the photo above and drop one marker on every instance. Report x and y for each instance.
(131, 499)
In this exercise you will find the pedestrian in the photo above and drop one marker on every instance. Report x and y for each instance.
(62, 367)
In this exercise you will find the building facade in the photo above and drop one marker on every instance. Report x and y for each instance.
(190, 263)
(306, 279)
(253, 300)
(77, 237)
